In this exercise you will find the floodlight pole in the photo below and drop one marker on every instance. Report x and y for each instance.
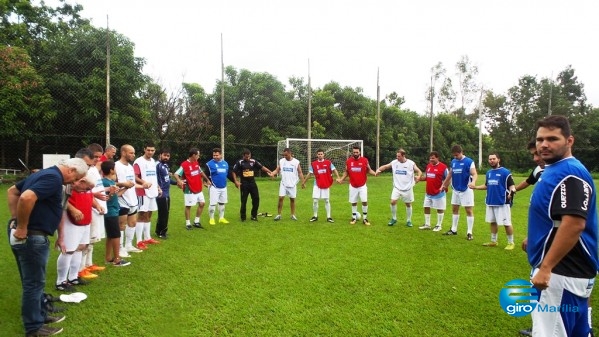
(222, 98)
(107, 83)
(378, 119)
(309, 115)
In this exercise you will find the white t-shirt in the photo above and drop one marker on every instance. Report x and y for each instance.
(403, 174)
(289, 172)
(147, 168)
(93, 171)
(126, 173)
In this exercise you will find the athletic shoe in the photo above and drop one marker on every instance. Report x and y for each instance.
(490, 244)
(198, 225)
(330, 220)
(78, 282)
(45, 330)
(277, 218)
(133, 250)
(121, 263)
(450, 232)
(392, 222)
(366, 222)
(314, 218)
(437, 228)
(141, 245)
(85, 274)
(526, 332)
(223, 220)
(66, 287)
(409, 224)
(94, 268)
(469, 237)
(54, 319)
(188, 227)
(353, 221)
(254, 219)
(211, 221)
(151, 241)
(123, 253)
(294, 218)
(425, 227)
(510, 246)
(162, 236)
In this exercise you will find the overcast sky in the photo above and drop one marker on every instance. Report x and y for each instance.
(346, 41)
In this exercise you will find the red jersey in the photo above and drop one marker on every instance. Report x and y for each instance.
(192, 173)
(357, 170)
(82, 201)
(435, 174)
(322, 173)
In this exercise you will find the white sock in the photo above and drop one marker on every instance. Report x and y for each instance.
(211, 211)
(494, 237)
(590, 317)
(470, 223)
(139, 231)
(454, 222)
(62, 267)
(394, 212)
(439, 218)
(221, 211)
(89, 255)
(73, 268)
(354, 211)
(315, 207)
(147, 235)
(83, 259)
(510, 239)
(196, 220)
(365, 211)
(427, 219)
(409, 213)
(122, 239)
(327, 207)
(129, 234)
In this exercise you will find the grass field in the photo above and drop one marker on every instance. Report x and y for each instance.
(299, 278)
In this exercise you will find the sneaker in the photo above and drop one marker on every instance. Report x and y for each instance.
(469, 237)
(198, 225)
(133, 250)
(123, 253)
(188, 227)
(78, 282)
(94, 268)
(162, 236)
(141, 245)
(450, 232)
(211, 221)
(86, 274)
(277, 218)
(45, 330)
(314, 218)
(151, 241)
(490, 244)
(437, 228)
(294, 218)
(54, 319)
(330, 220)
(425, 227)
(392, 222)
(510, 246)
(526, 332)
(366, 222)
(223, 220)
(254, 219)
(66, 287)
(121, 263)
(353, 221)
(409, 224)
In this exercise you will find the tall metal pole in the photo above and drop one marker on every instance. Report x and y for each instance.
(431, 97)
(107, 83)
(309, 115)
(378, 119)
(480, 129)
(222, 97)
(550, 94)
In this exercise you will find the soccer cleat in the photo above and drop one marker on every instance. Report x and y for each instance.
(366, 222)
(353, 221)
(294, 218)
(94, 268)
(526, 332)
(162, 236)
(330, 220)
(85, 274)
(392, 222)
(314, 218)
(510, 246)
(254, 219)
(141, 245)
(123, 253)
(198, 225)
(151, 241)
(277, 218)
(54, 319)
(121, 263)
(45, 330)
(211, 221)
(66, 287)
(188, 227)
(490, 244)
(425, 227)
(223, 221)
(469, 237)
(409, 224)
(133, 250)
(78, 282)
(437, 228)
(450, 232)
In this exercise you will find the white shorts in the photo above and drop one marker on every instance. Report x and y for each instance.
(564, 292)
(218, 195)
(96, 227)
(74, 235)
(194, 198)
(437, 203)
(465, 198)
(148, 205)
(501, 215)
(358, 193)
(404, 196)
(290, 192)
(320, 193)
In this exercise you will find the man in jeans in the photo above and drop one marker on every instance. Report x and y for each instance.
(35, 205)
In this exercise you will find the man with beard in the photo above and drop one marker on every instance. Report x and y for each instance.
(357, 168)
(163, 200)
(435, 173)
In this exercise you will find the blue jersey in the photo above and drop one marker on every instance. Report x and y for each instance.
(219, 170)
(164, 179)
(460, 173)
(565, 188)
(497, 186)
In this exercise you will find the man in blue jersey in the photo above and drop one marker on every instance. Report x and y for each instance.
(163, 201)
(500, 190)
(462, 176)
(562, 234)
(219, 173)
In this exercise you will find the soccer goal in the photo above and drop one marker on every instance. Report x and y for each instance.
(336, 150)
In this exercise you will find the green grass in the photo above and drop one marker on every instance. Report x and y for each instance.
(291, 278)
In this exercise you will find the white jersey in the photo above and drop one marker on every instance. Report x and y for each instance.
(289, 172)
(147, 169)
(403, 174)
(126, 173)
(93, 171)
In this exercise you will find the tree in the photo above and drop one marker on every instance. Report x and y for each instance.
(466, 73)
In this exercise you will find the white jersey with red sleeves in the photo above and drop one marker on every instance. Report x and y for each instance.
(147, 171)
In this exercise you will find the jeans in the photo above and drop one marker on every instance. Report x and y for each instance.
(32, 258)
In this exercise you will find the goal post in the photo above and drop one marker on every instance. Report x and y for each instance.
(336, 150)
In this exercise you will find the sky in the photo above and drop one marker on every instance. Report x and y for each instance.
(349, 41)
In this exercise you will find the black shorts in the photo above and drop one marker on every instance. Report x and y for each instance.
(128, 211)
(111, 224)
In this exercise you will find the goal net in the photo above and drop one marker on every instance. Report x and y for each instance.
(336, 150)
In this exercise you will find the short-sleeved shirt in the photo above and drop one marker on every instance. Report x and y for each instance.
(246, 170)
(403, 174)
(289, 172)
(534, 175)
(460, 173)
(126, 173)
(497, 181)
(146, 169)
(357, 170)
(112, 204)
(192, 173)
(164, 179)
(435, 174)
(322, 171)
(219, 171)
